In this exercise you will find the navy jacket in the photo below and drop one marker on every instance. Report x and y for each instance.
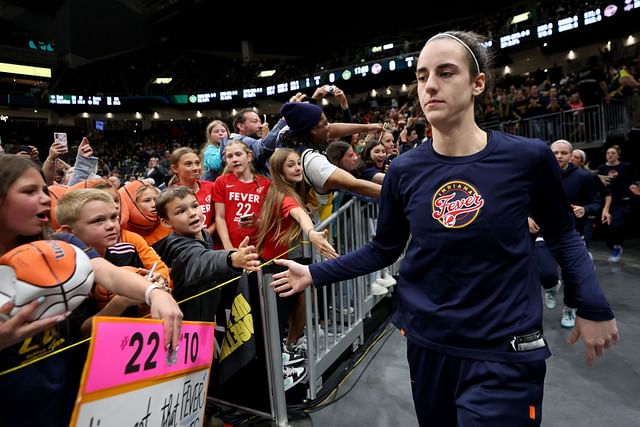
(580, 188)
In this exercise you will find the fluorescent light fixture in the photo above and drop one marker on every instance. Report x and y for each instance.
(25, 70)
(266, 73)
(163, 80)
(520, 18)
(387, 46)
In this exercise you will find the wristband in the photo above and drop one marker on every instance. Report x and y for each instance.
(229, 260)
(147, 293)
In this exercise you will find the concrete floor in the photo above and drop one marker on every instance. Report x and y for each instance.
(606, 395)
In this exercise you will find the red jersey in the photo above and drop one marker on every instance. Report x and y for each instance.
(271, 250)
(240, 199)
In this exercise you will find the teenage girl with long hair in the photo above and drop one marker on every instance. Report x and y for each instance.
(283, 219)
(375, 161)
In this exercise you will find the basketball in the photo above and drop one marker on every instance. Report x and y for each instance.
(57, 270)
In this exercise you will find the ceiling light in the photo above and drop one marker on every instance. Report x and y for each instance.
(163, 80)
(520, 18)
(266, 73)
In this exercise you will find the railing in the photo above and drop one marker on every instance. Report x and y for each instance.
(334, 314)
(585, 127)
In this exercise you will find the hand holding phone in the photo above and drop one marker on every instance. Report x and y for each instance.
(61, 138)
(247, 217)
(246, 220)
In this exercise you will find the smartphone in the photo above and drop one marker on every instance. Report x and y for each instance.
(245, 218)
(26, 149)
(60, 137)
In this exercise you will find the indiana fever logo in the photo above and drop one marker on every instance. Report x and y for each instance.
(456, 204)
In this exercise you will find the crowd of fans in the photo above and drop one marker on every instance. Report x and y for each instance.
(192, 70)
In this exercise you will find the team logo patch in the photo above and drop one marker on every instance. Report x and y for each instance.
(456, 204)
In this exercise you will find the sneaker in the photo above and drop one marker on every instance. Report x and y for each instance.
(376, 289)
(568, 319)
(386, 279)
(291, 356)
(387, 282)
(299, 348)
(616, 254)
(550, 298)
(293, 376)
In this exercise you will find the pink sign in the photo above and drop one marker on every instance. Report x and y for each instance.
(125, 350)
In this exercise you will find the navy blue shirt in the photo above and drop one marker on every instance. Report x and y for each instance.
(580, 188)
(468, 282)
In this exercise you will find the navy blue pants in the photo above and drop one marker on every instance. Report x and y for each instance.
(450, 391)
(547, 265)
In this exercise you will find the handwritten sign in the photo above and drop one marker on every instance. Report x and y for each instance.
(130, 379)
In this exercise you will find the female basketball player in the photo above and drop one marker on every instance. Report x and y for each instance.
(469, 299)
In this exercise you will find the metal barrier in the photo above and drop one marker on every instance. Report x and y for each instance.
(334, 313)
(584, 127)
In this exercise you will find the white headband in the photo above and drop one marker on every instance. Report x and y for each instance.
(459, 41)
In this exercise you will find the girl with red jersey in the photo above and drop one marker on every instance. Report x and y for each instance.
(238, 195)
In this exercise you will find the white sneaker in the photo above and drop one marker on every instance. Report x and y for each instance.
(568, 319)
(386, 279)
(293, 376)
(291, 355)
(376, 289)
(550, 296)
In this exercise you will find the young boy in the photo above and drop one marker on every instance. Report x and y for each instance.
(92, 216)
(188, 251)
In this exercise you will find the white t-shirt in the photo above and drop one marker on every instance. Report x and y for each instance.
(317, 170)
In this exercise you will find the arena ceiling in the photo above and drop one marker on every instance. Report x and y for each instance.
(307, 29)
